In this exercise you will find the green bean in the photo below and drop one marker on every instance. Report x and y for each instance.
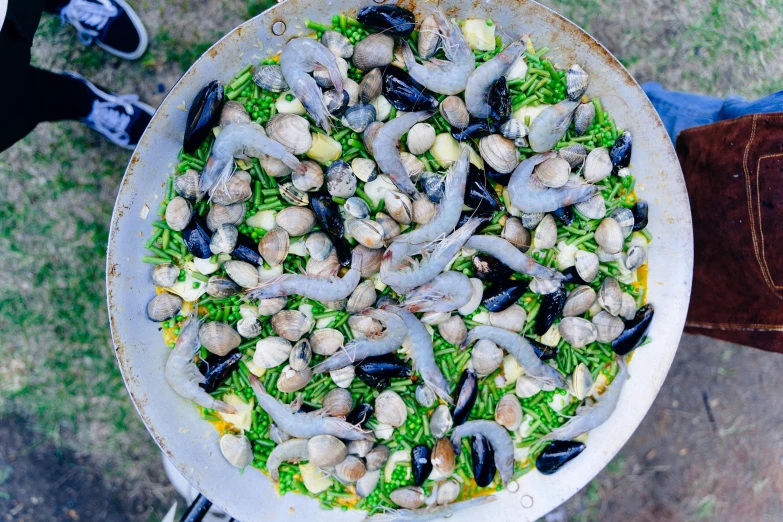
(599, 111)
(155, 260)
(315, 26)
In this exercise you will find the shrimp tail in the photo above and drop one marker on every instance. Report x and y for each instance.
(407, 54)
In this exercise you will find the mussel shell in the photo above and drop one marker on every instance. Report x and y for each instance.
(433, 185)
(620, 153)
(390, 19)
(572, 276)
(360, 414)
(499, 100)
(640, 217)
(488, 268)
(495, 176)
(327, 214)
(405, 93)
(483, 460)
(474, 130)
(218, 368)
(464, 396)
(565, 215)
(485, 216)
(421, 463)
(270, 77)
(247, 250)
(336, 102)
(551, 308)
(499, 296)
(557, 454)
(203, 115)
(479, 193)
(634, 332)
(197, 237)
(377, 372)
(543, 351)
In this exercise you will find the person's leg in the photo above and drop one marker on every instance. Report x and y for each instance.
(735, 106)
(682, 110)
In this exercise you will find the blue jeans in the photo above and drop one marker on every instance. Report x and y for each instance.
(683, 110)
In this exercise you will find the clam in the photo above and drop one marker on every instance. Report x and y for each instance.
(324, 79)
(178, 213)
(360, 448)
(165, 275)
(579, 301)
(453, 330)
(291, 324)
(598, 165)
(515, 233)
(371, 260)
(336, 102)
(448, 491)
(636, 257)
(577, 332)
(364, 168)
(508, 412)
(377, 50)
(357, 207)
(607, 326)
(358, 117)
(382, 108)
(581, 382)
(390, 409)
(249, 327)
(236, 189)
(338, 403)
(408, 497)
(420, 138)
(610, 296)
(224, 239)
(326, 451)
(486, 357)
(293, 195)
(350, 470)
(553, 172)
(546, 233)
(366, 232)
(575, 154)
(512, 318)
(326, 341)
(423, 211)
(429, 37)
(364, 326)
(544, 286)
(476, 297)
(414, 167)
(377, 457)
(587, 265)
(300, 356)
(237, 450)
(220, 214)
(273, 247)
(308, 179)
(500, 153)
(343, 377)
(593, 208)
(624, 218)
(270, 77)
(291, 380)
(441, 421)
(514, 129)
(163, 307)
(366, 485)
(371, 86)
(324, 268)
(219, 286)
(353, 90)
(296, 221)
(340, 180)
(399, 206)
(627, 307)
(292, 131)
(576, 82)
(443, 458)
(362, 297)
(318, 245)
(609, 236)
(454, 111)
(273, 166)
(531, 220)
(271, 306)
(434, 318)
(425, 396)
(337, 43)
(188, 185)
(527, 387)
(583, 117)
(219, 338)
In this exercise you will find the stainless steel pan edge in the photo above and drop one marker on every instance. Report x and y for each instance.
(191, 443)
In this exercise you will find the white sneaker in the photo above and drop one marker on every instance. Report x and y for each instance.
(112, 24)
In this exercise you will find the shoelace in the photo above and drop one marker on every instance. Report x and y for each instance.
(110, 121)
(88, 17)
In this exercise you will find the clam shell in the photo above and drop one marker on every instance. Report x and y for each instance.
(508, 412)
(443, 458)
(454, 111)
(338, 403)
(398, 206)
(292, 131)
(607, 326)
(587, 265)
(220, 214)
(353, 90)
(237, 450)
(165, 275)
(350, 470)
(486, 357)
(425, 396)
(293, 195)
(219, 338)
(163, 307)
(531, 220)
(579, 301)
(609, 236)
(434, 318)
(357, 207)
(362, 297)
(343, 377)
(366, 232)
(326, 451)
(224, 239)
(219, 286)
(390, 409)
(324, 268)
(271, 352)
(527, 387)
(453, 330)
(249, 327)
(575, 154)
(274, 246)
(448, 491)
(576, 82)
(414, 167)
(188, 185)
(236, 189)
(581, 382)
(369, 136)
(377, 457)
(366, 485)
(624, 218)
(408, 497)
(475, 298)
(242, 273)
(583, 117)
(514, 129)
(376, 50)
(178, 213)
(336, 102)
(337, 43)
(544, 286)
(340, 180)
(429, 37)
(500, 153)
(610, 296)
(593, 208)
(512, 318)
(326, 341)
(273, 166)
(271, 306)
(382, 108)
(371, 86)
(546, 233)
(300, 356)
(598, 165)
(358, 117)
(636, 257)
(291, 380)
(515, 233)
(296, 221)
(420, 138)
(233, 112)
(364, 168)
(371, 260)
(577, 332)
(270, 77)
(291, 324)
(318, 245)
(627, 307)
(553, 172)
(309, 179)
(440, 421)
(322, 77)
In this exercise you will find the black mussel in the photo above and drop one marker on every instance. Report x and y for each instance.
(634, 332)
(336, 102)
(377, 372)
(499, 101)
(543, 351)
(421, 464)
(327, 213)
(247, 250)
(488, 268)
(203, 115)
(405, 93)
(486, 216)
(360, 414)
(551, 308)
(479, 192)
(640, 211)
(499, 296)
(483, 457)
(196, 237)
(620, 153)
(392, 20)
(474, 130)
(466, 392)
(433, 185)
(217, 368)
(557, 454)
(565, 215)
(305, 408)
(495, 176)
(572, 276)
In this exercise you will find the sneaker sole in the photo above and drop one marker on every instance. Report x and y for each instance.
(143, 38)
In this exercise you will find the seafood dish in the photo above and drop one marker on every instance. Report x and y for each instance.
(401, 263)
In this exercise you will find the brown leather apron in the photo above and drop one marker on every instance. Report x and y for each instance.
(734, 173)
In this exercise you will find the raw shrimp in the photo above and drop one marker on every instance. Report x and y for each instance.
(447, 292)
(550, 126)
(242, 140)
(422, 353)
(183, 375)
(522, 351)
(299, 58)
(529, 195)
(511, 256)
(590, 417)
(319, 288)
(403, 281)
(443, 76)
(429, 513)
(387, 153)
(304, 425)
(292, 450)
(485, 75)
(359, 349)
(498, 438)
